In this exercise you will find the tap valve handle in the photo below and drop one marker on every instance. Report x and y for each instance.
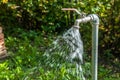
(73, 9)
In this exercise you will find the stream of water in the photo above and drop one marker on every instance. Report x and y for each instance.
(67, 48)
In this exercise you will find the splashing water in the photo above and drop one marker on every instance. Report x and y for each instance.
(68, 47)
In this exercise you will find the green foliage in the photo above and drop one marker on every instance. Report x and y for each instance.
(26, 61)
(45, 16)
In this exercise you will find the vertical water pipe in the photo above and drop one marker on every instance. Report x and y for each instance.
(95, 28)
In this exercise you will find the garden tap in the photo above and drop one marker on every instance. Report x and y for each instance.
(95, 23)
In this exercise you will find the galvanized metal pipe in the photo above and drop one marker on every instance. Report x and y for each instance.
(95, 25)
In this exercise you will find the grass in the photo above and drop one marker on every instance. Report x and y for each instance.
(26, 62)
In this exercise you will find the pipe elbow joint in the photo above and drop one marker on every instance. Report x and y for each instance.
(95, 18)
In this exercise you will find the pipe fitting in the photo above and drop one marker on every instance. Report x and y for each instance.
(95, 19)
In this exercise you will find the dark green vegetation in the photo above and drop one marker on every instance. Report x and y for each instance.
(31, 25)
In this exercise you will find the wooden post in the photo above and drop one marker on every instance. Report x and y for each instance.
(3, 52)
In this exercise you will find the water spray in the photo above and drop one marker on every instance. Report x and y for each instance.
(93, 18)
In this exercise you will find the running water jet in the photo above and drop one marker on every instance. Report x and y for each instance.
(70, 47)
